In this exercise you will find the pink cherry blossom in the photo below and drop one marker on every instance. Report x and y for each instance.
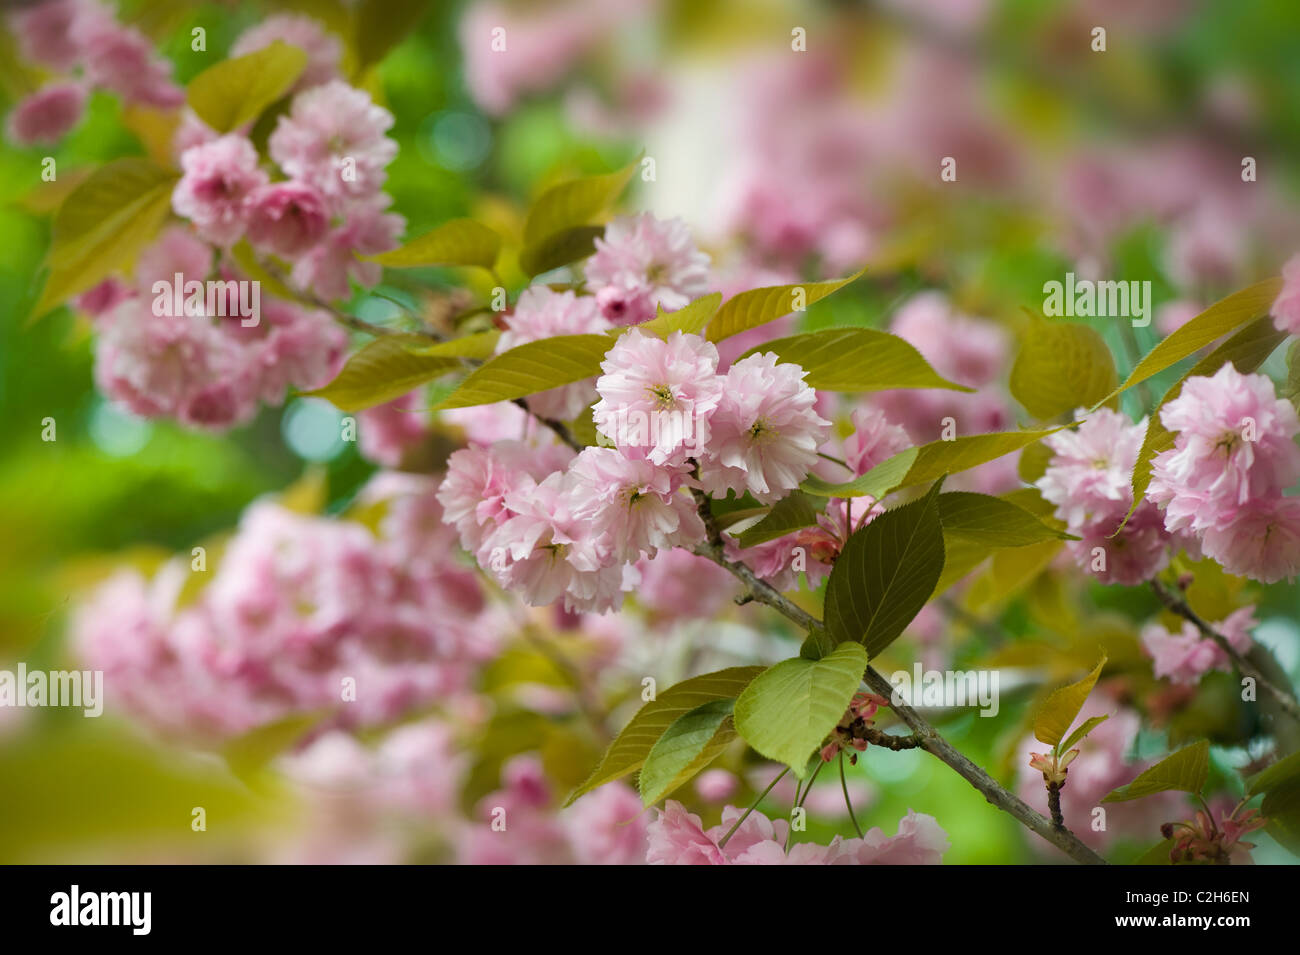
(1184, 657)
(1234, 445)
(677, 837)
(657, 396)
(386, 433)
(765, 432)
(333, 139)
(1286, 308)
(480, 478)
(642, 262)
(635, 506)
(323, 49)
(1262, 541)
(326, 267)
(47, 115)
(122, 60)
(874, 439)
(215, 191)
(286, 218)
(46, 31)
(607, 827)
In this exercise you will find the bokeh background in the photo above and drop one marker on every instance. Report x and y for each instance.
(1122, 164)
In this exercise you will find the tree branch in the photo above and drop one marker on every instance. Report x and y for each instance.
(929, 737)
(1178, 605)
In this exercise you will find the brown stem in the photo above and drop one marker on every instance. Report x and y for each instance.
(1177, 604)
(1054, 804)
(930, 740)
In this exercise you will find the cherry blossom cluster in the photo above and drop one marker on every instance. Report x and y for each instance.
(1234, 456)
(209, 364)
(332, 150)
(205, 371)
(676, 426)
(1089, 481)
(82, 41)
(297, 606)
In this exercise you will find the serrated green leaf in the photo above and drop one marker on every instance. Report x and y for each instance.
(1062, 366)
(1053, 719)
(1246, 350)
(456, 242)
(691, 319)
(565, 220)
(530, 368)
(1158, 854)
(1281, 807)
(561, 248)
(794, 511)
(762, 305)
(1283, 771)
(885, 574)
(927, 463)
(630, 748)
(1086, 727)
(694, 740)
(384, 369)
(233, 92)
(788, 710)
(1212, 324)
(857, 359)
(992, 521)
(1184, 771)
(102, 225)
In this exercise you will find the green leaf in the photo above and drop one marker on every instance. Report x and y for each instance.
(857, 359)
(1291, 390)
(384, 369)
(1246, 350)
(233, 92)
(630, 748)
(1283, 771)
(1086, 727)
(788, 710)
(691, 319)
(1184, 771)
(565, 219)
(103, 224)
(694, 740)
(561, 248)
(530, 368)
(1158, 854)
(382, 24)
(885, 574)
(762, 305)
(1062, 366)
(457, 242)
(1281, 807)
(792, 512)
(993, 521)
(479, 346)
(1212, 324)
(1054, 718)
(927, 463)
